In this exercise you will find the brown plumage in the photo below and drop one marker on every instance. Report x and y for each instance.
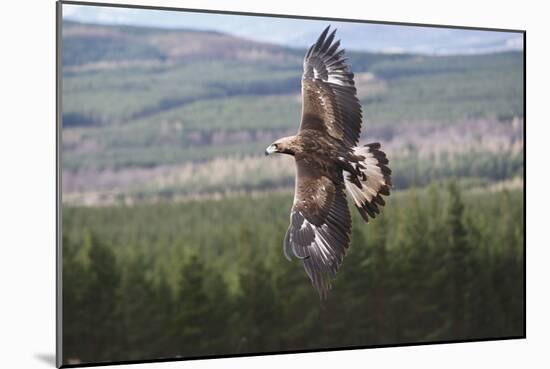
(328, 162)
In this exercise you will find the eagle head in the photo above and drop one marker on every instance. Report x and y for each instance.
(285, 145)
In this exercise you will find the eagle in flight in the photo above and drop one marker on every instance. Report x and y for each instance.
(329, 162)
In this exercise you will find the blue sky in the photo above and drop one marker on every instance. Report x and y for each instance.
(300, 33)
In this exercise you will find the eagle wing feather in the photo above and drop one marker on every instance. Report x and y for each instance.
(320, 223)
(329, 96)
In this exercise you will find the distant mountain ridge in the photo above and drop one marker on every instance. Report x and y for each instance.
(91, 43)
(420, 40)
(359, 36)
(99, 46)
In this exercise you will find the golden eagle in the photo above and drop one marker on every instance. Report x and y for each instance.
(328, 161)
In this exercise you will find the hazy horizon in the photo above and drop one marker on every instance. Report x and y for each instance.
(373, 37)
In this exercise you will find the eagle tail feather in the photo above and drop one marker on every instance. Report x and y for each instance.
(371, 180)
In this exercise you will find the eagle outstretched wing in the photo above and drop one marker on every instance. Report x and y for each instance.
(330, 162)
(320, 223)
(329, 96)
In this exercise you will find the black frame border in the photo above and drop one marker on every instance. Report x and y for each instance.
(58, 156)
(58, 186)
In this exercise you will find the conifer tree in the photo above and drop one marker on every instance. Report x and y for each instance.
(458, 261)
(190, 310)
(99, 300)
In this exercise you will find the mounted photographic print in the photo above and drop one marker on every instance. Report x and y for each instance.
(238, 184)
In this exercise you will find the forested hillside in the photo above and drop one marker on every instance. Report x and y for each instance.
(138, 119)
(209, 278)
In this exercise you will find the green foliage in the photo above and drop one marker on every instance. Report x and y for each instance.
(192, 309)
(88, 49)
(240, 113)
(93, 301)
(447, 89)
(208, 277)
(480, 166)
(143, 91)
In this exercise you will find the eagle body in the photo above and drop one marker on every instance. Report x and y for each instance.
(329, 164)
(317, 149)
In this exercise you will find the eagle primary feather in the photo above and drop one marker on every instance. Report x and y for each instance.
(328, 162)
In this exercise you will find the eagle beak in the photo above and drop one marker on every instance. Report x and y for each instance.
(270, 150)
